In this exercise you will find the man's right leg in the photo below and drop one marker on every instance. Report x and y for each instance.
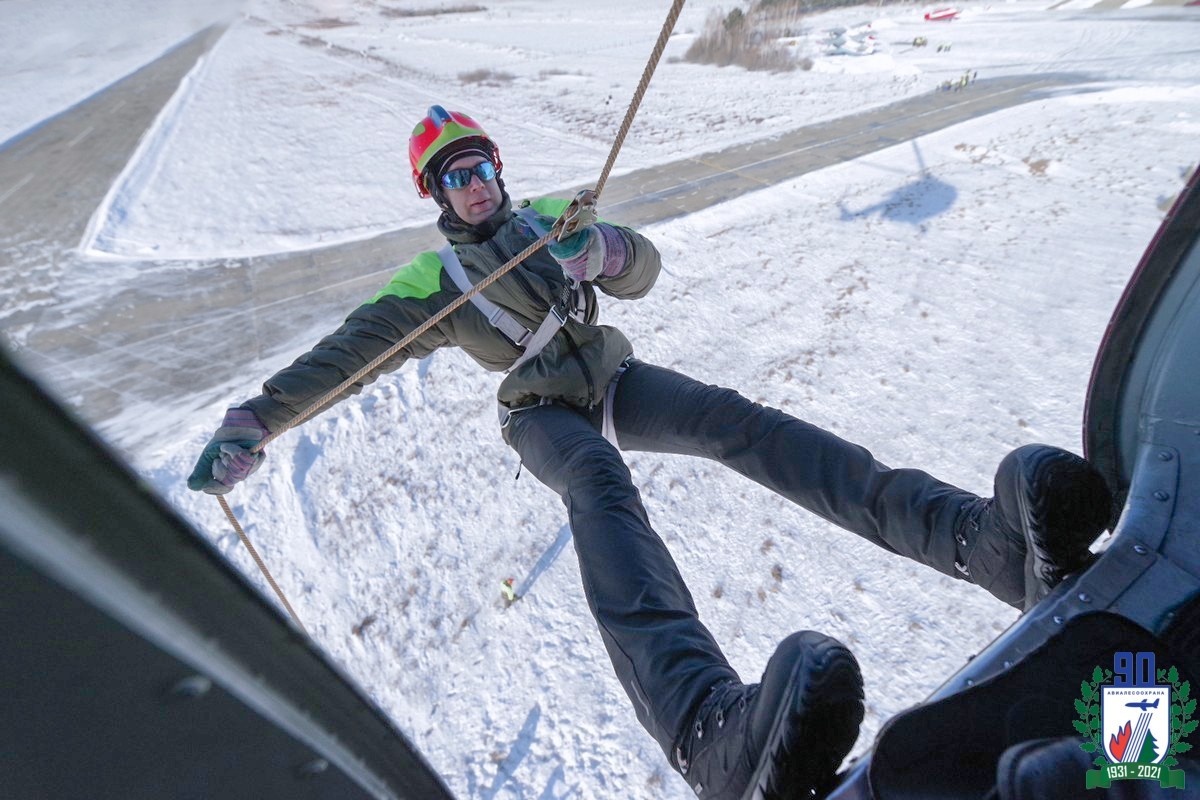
(663, 655)
(779, 738)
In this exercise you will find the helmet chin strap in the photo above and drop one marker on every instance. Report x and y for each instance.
(439, 196)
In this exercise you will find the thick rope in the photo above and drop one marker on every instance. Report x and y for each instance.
(333, 395)
(659, 46)
(254, 554)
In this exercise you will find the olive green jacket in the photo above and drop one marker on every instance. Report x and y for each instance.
(575, 367)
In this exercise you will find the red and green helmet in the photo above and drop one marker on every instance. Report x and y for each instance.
(442, 132)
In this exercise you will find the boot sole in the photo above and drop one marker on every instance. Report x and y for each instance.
(814, 727)
(1073, 511)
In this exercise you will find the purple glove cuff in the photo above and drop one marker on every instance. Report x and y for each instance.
(243, 418)
(602, 255)
(615, 250)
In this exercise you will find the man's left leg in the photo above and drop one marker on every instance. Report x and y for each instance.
(1049, 505)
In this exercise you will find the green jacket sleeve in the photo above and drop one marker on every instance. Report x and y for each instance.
(370, 330)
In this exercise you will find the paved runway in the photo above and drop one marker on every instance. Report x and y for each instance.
(160, 331)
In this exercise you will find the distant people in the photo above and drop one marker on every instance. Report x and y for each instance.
(574, 394)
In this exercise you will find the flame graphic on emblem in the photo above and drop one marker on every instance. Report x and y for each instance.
(1119, 741)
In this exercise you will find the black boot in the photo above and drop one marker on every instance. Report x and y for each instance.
(781, 738)
(1049, 506)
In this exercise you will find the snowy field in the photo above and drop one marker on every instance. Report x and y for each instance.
(940, 302)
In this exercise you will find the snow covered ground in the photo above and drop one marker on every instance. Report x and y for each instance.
(55, 54)
(939, 301)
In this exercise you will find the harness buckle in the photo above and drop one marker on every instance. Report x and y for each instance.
(498, 321)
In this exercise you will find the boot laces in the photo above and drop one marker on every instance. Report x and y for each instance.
(991, 548)
(700, 752)
(969, 528)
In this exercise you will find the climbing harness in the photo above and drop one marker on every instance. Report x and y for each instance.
(557, 230)
(533, 341)
(609, 428)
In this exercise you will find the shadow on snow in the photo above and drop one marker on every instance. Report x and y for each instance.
(914, 203)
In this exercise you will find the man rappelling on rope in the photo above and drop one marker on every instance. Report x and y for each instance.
(575, 396)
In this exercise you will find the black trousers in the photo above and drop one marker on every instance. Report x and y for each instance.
(663, 655)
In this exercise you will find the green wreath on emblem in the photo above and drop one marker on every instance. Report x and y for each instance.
(1182, 709)
(1088, 707)
(1183, 706)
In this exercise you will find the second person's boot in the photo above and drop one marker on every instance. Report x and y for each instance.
(1049, 506)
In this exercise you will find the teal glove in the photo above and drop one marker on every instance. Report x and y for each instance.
(226, 459)
(574, 255)
(596, 251)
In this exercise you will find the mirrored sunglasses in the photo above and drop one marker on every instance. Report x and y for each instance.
(461, 178)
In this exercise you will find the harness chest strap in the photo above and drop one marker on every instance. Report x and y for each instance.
(501, 320)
